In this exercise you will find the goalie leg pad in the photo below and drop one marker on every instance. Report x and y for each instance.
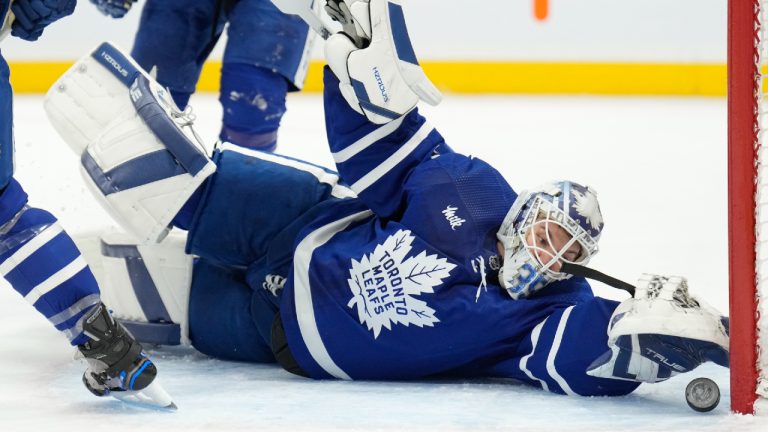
(139, 155)
(146, 285)
(661, 332)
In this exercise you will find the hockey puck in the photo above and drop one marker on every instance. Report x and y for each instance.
(702, 394)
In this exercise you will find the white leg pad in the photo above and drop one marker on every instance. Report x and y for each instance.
(145, 285)
(139, 155)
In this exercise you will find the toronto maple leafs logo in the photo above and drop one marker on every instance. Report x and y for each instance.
(587, 207)
(385, 284)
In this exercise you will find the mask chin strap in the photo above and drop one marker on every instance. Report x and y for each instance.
(586, 272)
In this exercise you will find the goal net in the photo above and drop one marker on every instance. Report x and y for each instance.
(748, 203)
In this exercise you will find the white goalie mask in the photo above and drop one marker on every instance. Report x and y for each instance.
(558, 223)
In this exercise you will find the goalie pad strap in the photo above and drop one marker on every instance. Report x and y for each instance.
(115, 62)
(146, 291)
(154, 333)
(185, 152)
(153, 115)
(140, 171)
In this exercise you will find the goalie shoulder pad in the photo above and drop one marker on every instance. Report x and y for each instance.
(139, 155)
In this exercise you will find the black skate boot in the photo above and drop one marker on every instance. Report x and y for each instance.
(117, 364)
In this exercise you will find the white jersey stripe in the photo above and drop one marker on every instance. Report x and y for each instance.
(553, 353)
(55, 280)
(305, 311)
(322, 176)
(30, 247)
(393, 160)
(366, 141)
(524, 361)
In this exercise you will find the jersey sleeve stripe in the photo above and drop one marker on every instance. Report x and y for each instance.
(366, 141)
(380, 171)
(551, 369)
(524, 361)
(305, 310)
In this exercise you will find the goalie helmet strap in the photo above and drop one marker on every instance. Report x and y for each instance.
(586, 272)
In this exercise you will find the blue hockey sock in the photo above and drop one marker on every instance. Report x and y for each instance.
(6, 125)
(42, 263)
(253, 101)
(180, 98)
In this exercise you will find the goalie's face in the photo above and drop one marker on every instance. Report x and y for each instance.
(551, 245)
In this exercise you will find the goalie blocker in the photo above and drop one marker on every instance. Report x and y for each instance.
(139, 155)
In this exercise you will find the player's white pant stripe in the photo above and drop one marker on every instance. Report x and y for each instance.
(553, 353)
(366, 141)
(322, 176)
(305, 310)
(393, 160)
(29, 248)
(56, 279)
(524, 361)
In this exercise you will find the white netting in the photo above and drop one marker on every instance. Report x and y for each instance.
(762, 208)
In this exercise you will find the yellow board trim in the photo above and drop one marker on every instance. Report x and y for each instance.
(486, 77)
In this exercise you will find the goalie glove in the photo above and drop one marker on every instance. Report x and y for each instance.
(379, 74)
(660, 332)
(33, 16)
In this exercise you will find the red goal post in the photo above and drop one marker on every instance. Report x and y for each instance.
(747, 215)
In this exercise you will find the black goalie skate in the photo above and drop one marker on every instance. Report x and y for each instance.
(117, 364)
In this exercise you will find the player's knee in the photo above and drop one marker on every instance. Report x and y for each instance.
(253, 101)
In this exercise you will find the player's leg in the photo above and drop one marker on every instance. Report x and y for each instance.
(254, 198)
(36, 256)
(175, 38)
(222, 308)
(266, 56)
(42, 263)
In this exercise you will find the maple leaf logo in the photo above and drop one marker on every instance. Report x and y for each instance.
(385, 284)
(587, 207)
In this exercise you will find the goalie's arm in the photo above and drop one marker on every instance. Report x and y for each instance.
(376, 160)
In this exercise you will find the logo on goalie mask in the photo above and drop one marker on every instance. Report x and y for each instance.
(568, 224)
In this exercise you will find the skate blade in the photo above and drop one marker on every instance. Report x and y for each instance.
(153, 396)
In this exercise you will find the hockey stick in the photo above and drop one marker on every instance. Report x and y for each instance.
(578, 270)
(304, 9)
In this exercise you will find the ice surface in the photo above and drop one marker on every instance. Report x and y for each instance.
(659, 166)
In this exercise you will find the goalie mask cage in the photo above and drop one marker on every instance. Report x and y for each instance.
(748, 204)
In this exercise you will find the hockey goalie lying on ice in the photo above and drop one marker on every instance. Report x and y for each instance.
(412, 261)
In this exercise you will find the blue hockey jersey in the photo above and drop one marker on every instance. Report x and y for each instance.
(401, 282)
